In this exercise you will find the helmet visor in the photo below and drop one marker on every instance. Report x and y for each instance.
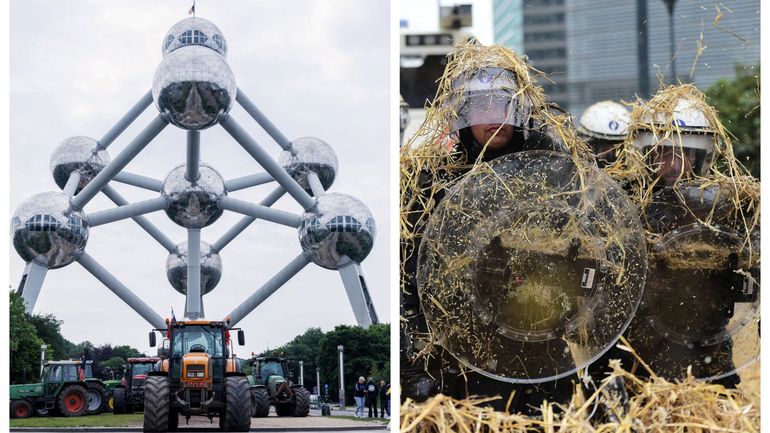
(687, 154)
(490, 96)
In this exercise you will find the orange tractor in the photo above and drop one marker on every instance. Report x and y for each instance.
(199, 375)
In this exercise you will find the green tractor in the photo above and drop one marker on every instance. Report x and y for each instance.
(271, 385)
(199, 376)
(66, 387)
(128, 394)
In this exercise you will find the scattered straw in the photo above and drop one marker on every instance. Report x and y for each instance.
(654, 405)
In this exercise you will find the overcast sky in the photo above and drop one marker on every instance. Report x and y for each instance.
(316, 68)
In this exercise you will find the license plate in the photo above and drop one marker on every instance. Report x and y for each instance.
(195, 384)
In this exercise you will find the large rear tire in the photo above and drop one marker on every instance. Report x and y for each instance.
(119, 401)
(301, 402)
(21, 409)
(95, 398)
(261, 402)
(237, 414)
(156, 404)
(73, 400)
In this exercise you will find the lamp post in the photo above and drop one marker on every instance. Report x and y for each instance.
(43, 348)
(342, 379)
(302, 373)
(318, 381)
(670, 5)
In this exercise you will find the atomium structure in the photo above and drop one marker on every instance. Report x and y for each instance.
(194, 89)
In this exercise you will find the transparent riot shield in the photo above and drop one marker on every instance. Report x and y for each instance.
(701, 304)
(531, 267)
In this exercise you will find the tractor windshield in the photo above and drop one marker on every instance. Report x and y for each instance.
(198, 338)
(269, 368)
(62, 373)
(143, 368)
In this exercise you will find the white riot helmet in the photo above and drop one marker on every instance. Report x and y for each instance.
(685, 133)
(489, 95)
(604, 120)
(604, 125)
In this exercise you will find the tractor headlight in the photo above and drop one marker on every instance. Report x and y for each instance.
(200, 374)
(190, 374)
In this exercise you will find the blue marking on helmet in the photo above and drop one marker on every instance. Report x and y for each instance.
(614, 125)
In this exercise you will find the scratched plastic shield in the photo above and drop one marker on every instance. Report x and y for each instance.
(531, 267)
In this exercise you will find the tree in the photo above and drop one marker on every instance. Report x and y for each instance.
(48, 329)
(364, 350)
(737, 101)
(24, 344)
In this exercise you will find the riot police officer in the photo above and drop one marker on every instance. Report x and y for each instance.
(700, 290)
(489, 115)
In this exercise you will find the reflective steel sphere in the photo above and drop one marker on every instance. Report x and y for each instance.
(338, 231)
(46, 229)
(194, 204)
(78, 154)
(176, 268)
(194, 31)
(310, 154)
(193, 87)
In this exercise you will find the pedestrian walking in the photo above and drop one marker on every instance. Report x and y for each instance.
(359, 395)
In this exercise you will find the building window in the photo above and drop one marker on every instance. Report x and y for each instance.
(195, 37)
(220, 41)
(345, 223)
(168, 42)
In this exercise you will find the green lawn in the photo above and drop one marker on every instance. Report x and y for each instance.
(104, 420)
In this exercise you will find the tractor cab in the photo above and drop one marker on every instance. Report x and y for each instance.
(267, 367)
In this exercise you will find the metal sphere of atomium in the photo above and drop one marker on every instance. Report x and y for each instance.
(338, 231)
(78, 154)
(194, 204)
(194, 31)
(48, 230)
(176, 268)
(308, 154)
(193, 87)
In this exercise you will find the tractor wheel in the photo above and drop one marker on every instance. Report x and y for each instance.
(95, 398)
(156, 404)
(261, 402)
(301, 402)
(119, 401)
(21, 409)
(284, 409)
(73, 400)
(237, 414)
(110, 402)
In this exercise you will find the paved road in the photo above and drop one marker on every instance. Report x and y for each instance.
(272, 423)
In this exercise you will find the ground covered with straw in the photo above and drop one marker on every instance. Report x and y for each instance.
(654, 405)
